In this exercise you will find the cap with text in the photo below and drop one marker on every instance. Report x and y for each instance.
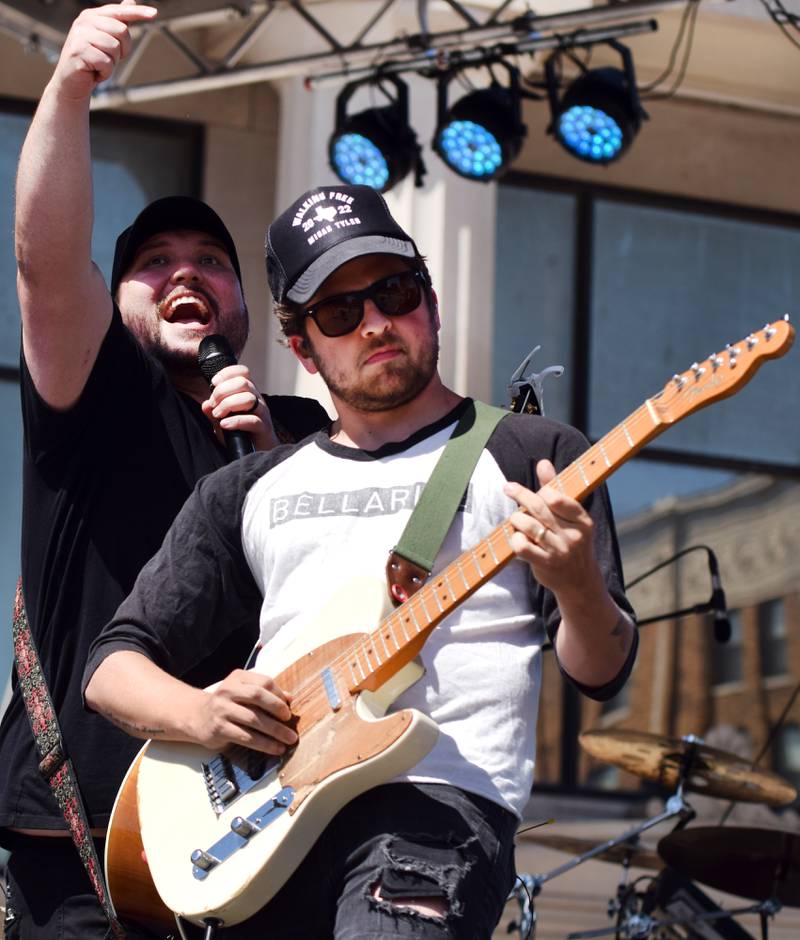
(323, 229)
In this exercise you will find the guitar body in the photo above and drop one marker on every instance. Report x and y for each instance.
(130, 883)
(346, 746)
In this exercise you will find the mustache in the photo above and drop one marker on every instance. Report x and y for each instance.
(384, 342)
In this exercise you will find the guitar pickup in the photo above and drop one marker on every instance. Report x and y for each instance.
(228, 776)
(334, 699)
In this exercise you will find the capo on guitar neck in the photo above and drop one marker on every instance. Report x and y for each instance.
(525, 389)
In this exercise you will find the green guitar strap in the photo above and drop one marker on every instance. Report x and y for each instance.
(412, 559)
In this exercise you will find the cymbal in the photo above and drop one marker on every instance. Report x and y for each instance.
(750, 863)
(713, 772)
(638, 856)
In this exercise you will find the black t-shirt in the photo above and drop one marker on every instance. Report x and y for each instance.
(102, 483)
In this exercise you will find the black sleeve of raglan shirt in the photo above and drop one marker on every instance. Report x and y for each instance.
(198, 589)
(518, 443)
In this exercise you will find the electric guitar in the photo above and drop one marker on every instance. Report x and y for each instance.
(222, 831)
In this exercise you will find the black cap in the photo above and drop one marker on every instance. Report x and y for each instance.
(164, 215)
(323, 229)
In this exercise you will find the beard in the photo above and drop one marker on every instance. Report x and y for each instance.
(398, 383)
(179, 355)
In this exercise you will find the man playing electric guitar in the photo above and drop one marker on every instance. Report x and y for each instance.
(429, 852)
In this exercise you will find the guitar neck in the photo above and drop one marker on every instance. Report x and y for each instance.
(401, 635)
(597, 463)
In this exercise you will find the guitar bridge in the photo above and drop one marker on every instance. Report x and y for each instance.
(227, 776)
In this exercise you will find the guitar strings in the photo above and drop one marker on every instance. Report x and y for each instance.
(415, 605)
(574, 473)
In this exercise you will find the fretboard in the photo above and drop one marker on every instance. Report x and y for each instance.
(380, 654)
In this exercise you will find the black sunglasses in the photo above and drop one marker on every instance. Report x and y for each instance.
(395, 296)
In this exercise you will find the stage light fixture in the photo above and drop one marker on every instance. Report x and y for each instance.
(376, 147)
(482, 133)
(599, 115)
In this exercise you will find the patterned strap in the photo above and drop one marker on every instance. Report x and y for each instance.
(54, 765)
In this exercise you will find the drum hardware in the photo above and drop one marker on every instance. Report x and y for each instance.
(687, 764)
(690, 764)
(636, 925)
(522, 893)
(674, 807)
(629, 854)
(626, 845)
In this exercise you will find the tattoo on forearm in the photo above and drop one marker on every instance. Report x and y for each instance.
(131, 727)
(620, 631)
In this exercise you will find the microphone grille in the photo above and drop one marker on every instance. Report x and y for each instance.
(214, 353)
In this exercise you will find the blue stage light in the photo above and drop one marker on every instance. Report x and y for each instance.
(376, 147)
(471, 149)
(357, 160)
(599, 115)
(590, 133)
(481, 134)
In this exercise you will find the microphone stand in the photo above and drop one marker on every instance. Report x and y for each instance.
(701, 608)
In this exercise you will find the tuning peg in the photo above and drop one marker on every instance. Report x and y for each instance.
(769, 331)
(679, 380)
(733, 353)
(715, 360)
(697, 369)
(751, 341)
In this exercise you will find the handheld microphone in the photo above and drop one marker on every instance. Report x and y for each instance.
(722, 625)
(214, 354)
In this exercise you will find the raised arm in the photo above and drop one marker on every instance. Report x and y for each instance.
(65, 305)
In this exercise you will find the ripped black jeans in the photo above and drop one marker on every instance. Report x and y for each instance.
(426, 842)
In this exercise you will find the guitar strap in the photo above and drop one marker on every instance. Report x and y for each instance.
(54, 765)
(411, 560)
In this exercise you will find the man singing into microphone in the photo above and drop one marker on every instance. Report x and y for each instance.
(119, 424)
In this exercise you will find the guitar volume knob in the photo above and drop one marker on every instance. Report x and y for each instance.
(243, 827)
(203, 860)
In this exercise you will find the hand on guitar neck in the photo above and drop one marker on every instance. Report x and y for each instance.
(553, 534)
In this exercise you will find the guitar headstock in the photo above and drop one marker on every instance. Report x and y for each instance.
(723, 373)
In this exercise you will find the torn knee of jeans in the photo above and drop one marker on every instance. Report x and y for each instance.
(406, 878)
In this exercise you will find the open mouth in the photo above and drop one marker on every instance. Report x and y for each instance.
(187, 308)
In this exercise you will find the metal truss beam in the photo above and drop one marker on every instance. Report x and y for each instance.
(336, 56)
